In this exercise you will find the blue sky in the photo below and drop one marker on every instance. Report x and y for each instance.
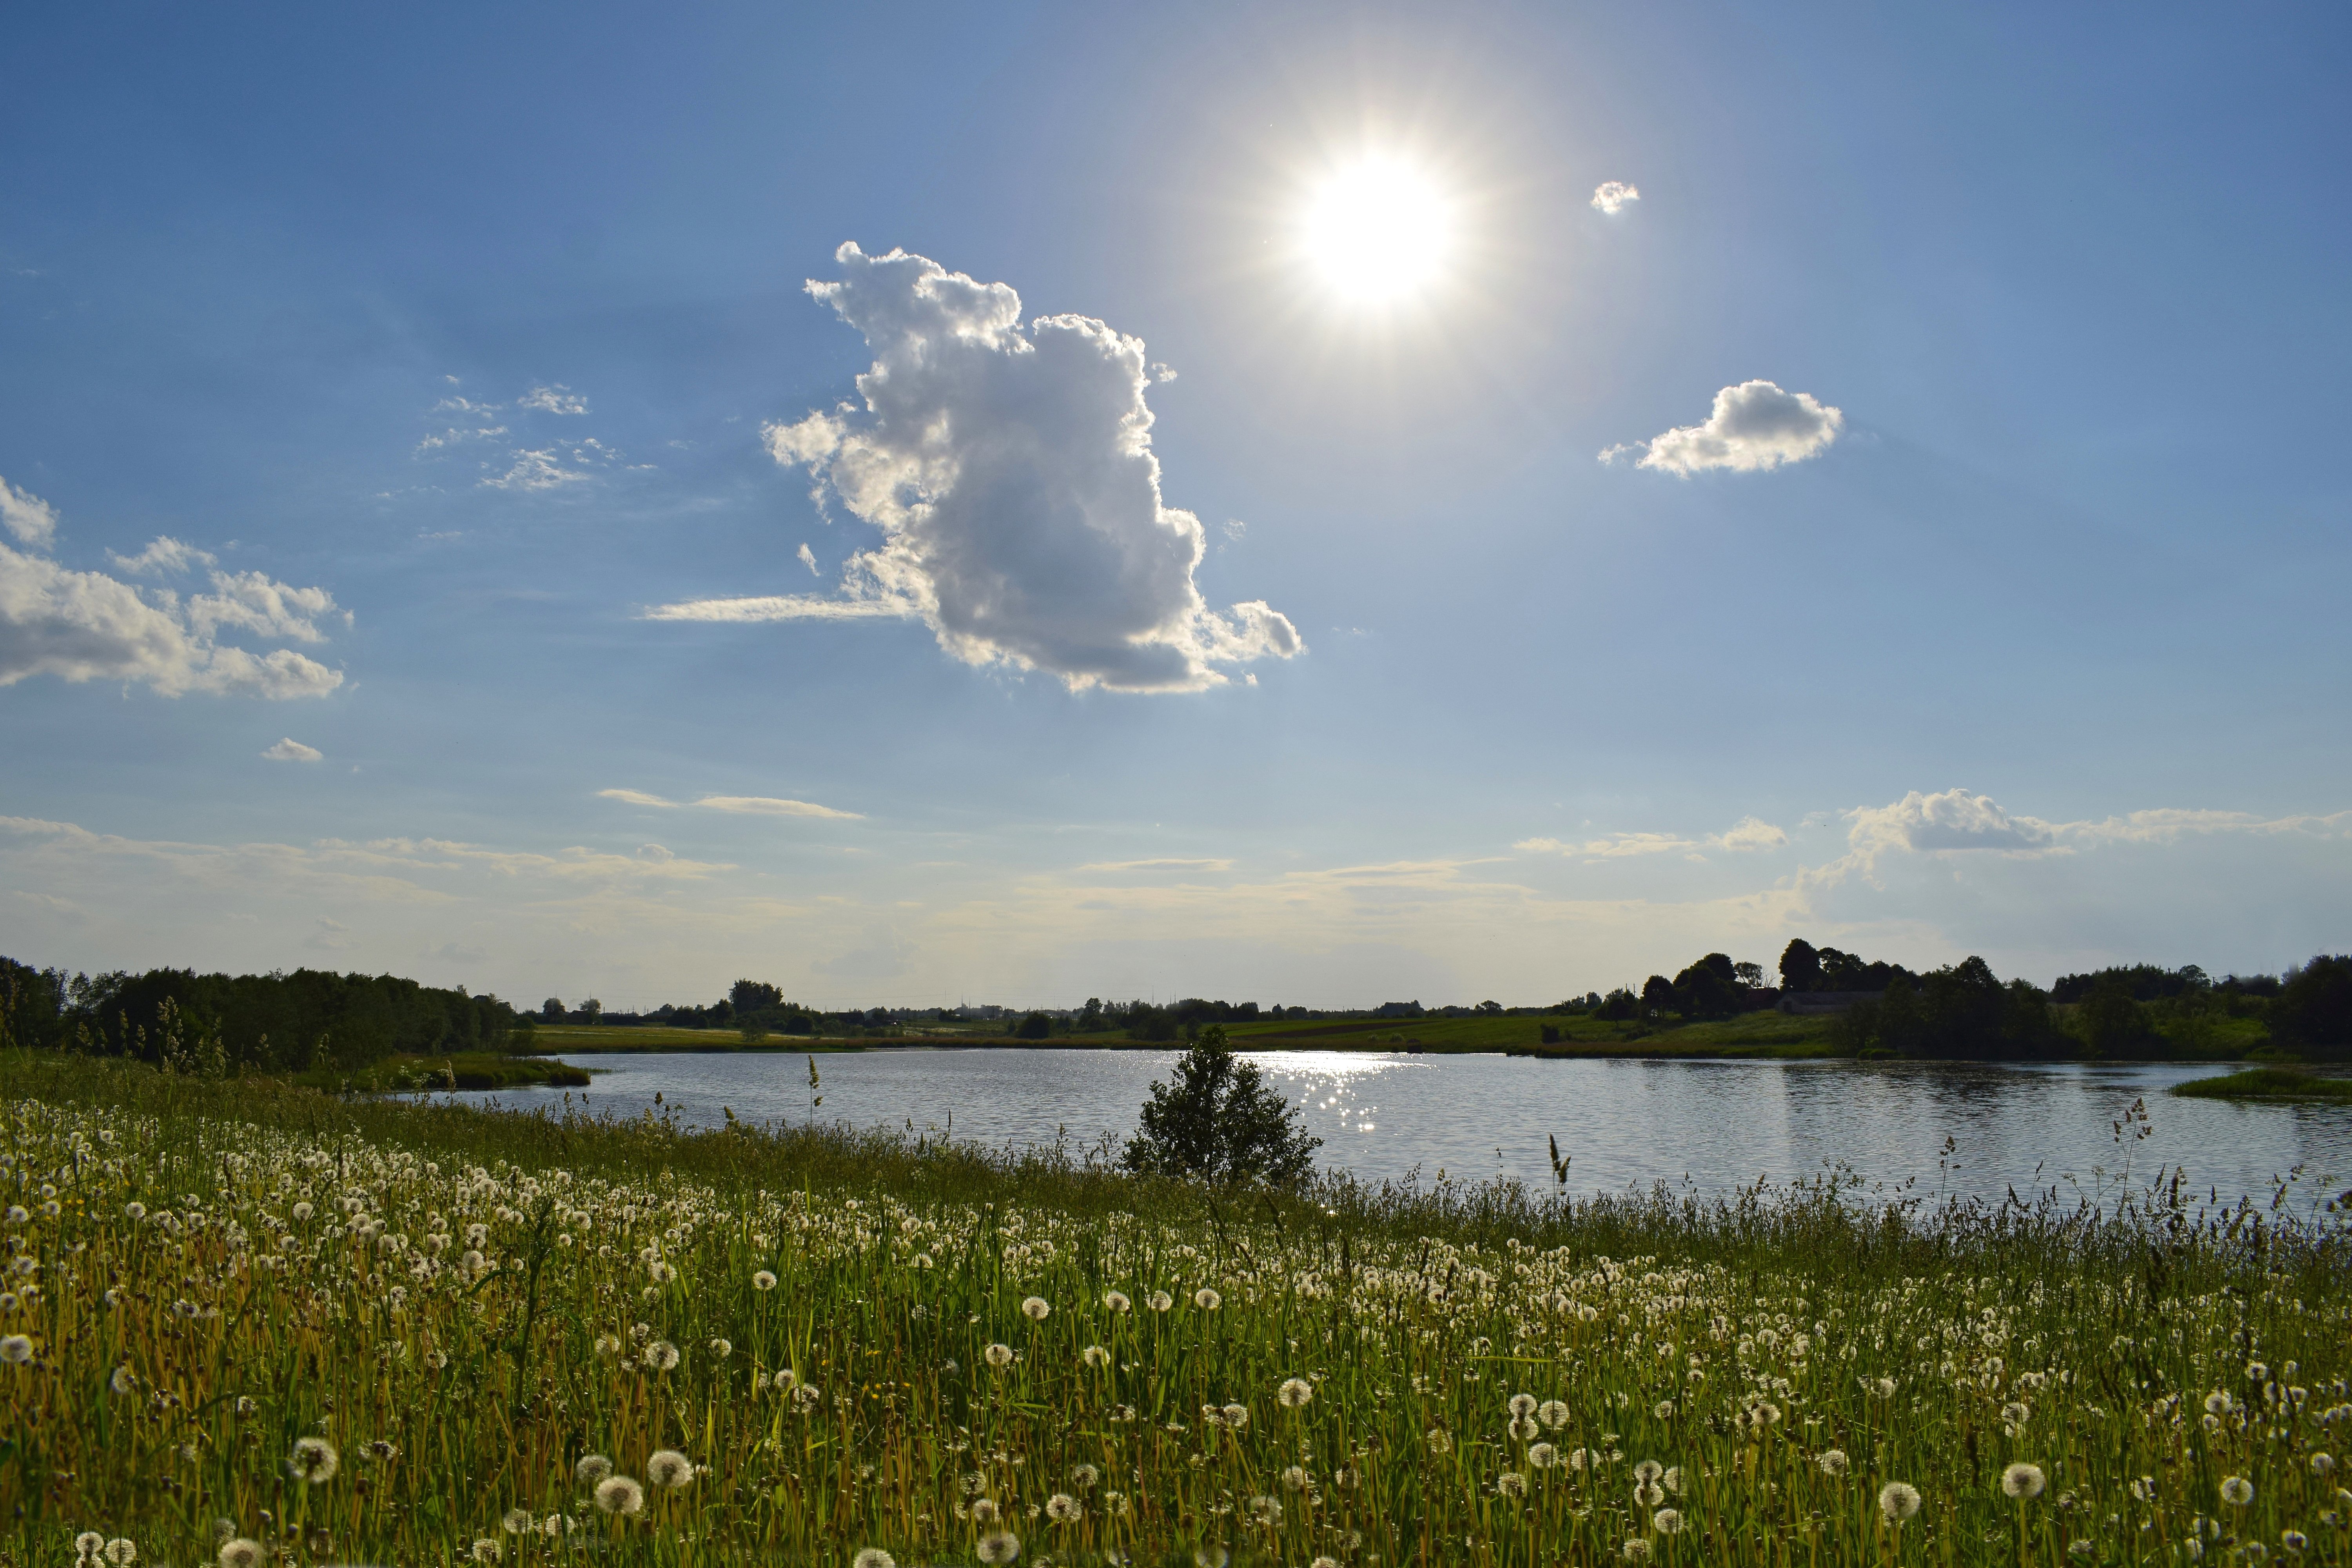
(1967, 575)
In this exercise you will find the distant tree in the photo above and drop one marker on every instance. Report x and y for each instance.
(1146, 1022)
(752, 995)
(1035, 1026)
(1707, 989)
(1657, 993)
(552, 1010)
(2314, 1010)
(1749, 974)
(2111, 1023)
(1216, 1121)
(591, 1010)
(1619, 1005)
(1489, 1007)
(1090, 1017)
(1800, 967)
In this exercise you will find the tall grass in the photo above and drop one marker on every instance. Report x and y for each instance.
(822, 1334)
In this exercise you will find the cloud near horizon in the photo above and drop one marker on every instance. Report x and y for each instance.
(1009, 470)
(86, 625)
(290, 750)
(738, 805)
(1754, 427)
(1748, 834)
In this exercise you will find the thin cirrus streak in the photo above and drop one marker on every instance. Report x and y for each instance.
(781, 607)
(740, 805)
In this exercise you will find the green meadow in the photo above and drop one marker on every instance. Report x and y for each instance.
(251, 1322)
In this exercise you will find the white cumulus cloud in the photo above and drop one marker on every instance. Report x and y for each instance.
(33, 521)
(1755, 425)
(290, 750)
(808, 559)
(86, 625)
(1009, 470)
(1612, 196)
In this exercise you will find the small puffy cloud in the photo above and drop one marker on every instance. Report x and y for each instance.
(1613, 196)
(636, 797)
(164, 557)
(86, 625)
(1009, 470)
(1755, 426)
(808, 559)
(33, 521)
(764, 806)
(1951, 821)
(290, 750)
(556, 399)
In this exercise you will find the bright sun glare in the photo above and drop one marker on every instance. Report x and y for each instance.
(1379, 231)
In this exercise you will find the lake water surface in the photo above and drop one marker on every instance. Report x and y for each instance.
(1715, 1124)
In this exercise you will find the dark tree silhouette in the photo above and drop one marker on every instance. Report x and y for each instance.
(1215, 1119)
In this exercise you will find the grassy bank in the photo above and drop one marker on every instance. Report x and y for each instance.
(580, 1039)
(462, 1069)
(2268, 1083)
(833, 1342)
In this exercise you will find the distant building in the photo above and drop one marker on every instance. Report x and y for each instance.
(1814, 1002)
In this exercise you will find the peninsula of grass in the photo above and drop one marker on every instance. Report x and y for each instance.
(253, 1322)
(2268, 1084)
(461, 1069)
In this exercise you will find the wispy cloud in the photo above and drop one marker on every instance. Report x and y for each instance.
(290, 750)
(1747, 834)
(1166, 863)
(738, 805)
(785, 607)
(555, 399)
(164, 557)
(33, 521)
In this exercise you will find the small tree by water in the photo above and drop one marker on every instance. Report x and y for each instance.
(1216, 1120)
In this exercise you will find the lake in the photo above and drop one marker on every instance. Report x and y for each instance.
(1715, 1124)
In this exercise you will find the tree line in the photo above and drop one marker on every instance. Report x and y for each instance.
(1964, 1010)
(276, 1021)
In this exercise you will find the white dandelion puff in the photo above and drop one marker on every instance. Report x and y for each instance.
(1833, 1462)
(120, 1552)
(2023, 1480)
(124, 1380)
(1237, 1416)
(1293, 1392)
(661, 1355)
(873, 1557)
(619, 1494)
(762, 1281)
(16, 1350)
(1208, 1301)
(1116, 1302)
(1522, 1406)
(1511, 1484)
(1095, 1356)
(1003, 1546)
(1037, 1309)
(1440, 1441)
(1636, 1549)
(237, 1551)
(2237, 1491)
(1899, 1501)
(1667, 1521)
(1552, 1413)
(999, 1355)
(1085, 1476)
(518, 1522)
(722, 1349)
(87, 1544)
(314, 1460)
(670, 1468)
(1542, 1457)
(590, 1469)
(1161, 1300)
(1064, 1509)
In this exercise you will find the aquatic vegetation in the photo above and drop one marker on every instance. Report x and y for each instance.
(240, 1340)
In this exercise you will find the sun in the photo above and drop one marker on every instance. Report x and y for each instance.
(1379, 230)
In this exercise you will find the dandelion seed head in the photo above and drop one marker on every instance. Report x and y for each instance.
(16, 1350)
(873, 1557)
(999, 1355)
(1208, 1301)
(722, 1349)
(1116, 1302)
(762, 1281)
(1636, 1549)
(1899, 1501)
(1085, 1476)
(1542, 1457)
(2217, 1403)
(1648, 1471)
(1235, 1416)
(619, 1494)
(87, 1544)
(1162, 1300)
(668, 1468)
(1037, 1309)
(2023, 1480)
(661, 1355)
(1522, 1406)
(1095, 1356)
(1511, 1484)
(590, 1469)
(1003, 1546)
(1293, 1392)
(1833, 1462)
(1211, 1557)
(517, 1521)
(2237, 1491)
(485, 1549)
(1064, 1509)
(1552, 1413)
(237, 1551)
(314, 1460)
(119, 1552)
